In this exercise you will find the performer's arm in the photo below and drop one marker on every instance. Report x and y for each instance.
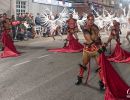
(113, 32)
(76, 36)
(76, 29)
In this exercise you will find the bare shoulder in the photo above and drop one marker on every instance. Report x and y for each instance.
(95, 27)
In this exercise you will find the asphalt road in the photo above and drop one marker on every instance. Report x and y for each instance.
(41, 75)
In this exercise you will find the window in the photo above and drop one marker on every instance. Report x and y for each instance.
(20, 7)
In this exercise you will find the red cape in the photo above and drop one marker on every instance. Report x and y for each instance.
(73, 46)
(9, 48)
(116, 88)
(119, 55)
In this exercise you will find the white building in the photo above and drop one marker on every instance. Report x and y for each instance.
(12, 7)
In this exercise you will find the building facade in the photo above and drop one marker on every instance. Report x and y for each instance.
(97, 4)
(23, 6)
(14, 7)
(8, 6)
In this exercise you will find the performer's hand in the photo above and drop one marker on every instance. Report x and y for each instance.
(101, 50)
(89, 45)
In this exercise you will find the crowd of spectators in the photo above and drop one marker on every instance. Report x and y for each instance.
(25, 26)
(22, 27)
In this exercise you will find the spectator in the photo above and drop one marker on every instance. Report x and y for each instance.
(38, 19)
(4, 16)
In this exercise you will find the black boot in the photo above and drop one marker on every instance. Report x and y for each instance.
(101, 85)
(65, 44)
(79, 81)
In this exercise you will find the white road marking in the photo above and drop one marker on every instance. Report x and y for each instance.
(29, 60)
(21, 63)
(43, 56)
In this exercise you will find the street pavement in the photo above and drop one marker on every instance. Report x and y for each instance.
(41, 75)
